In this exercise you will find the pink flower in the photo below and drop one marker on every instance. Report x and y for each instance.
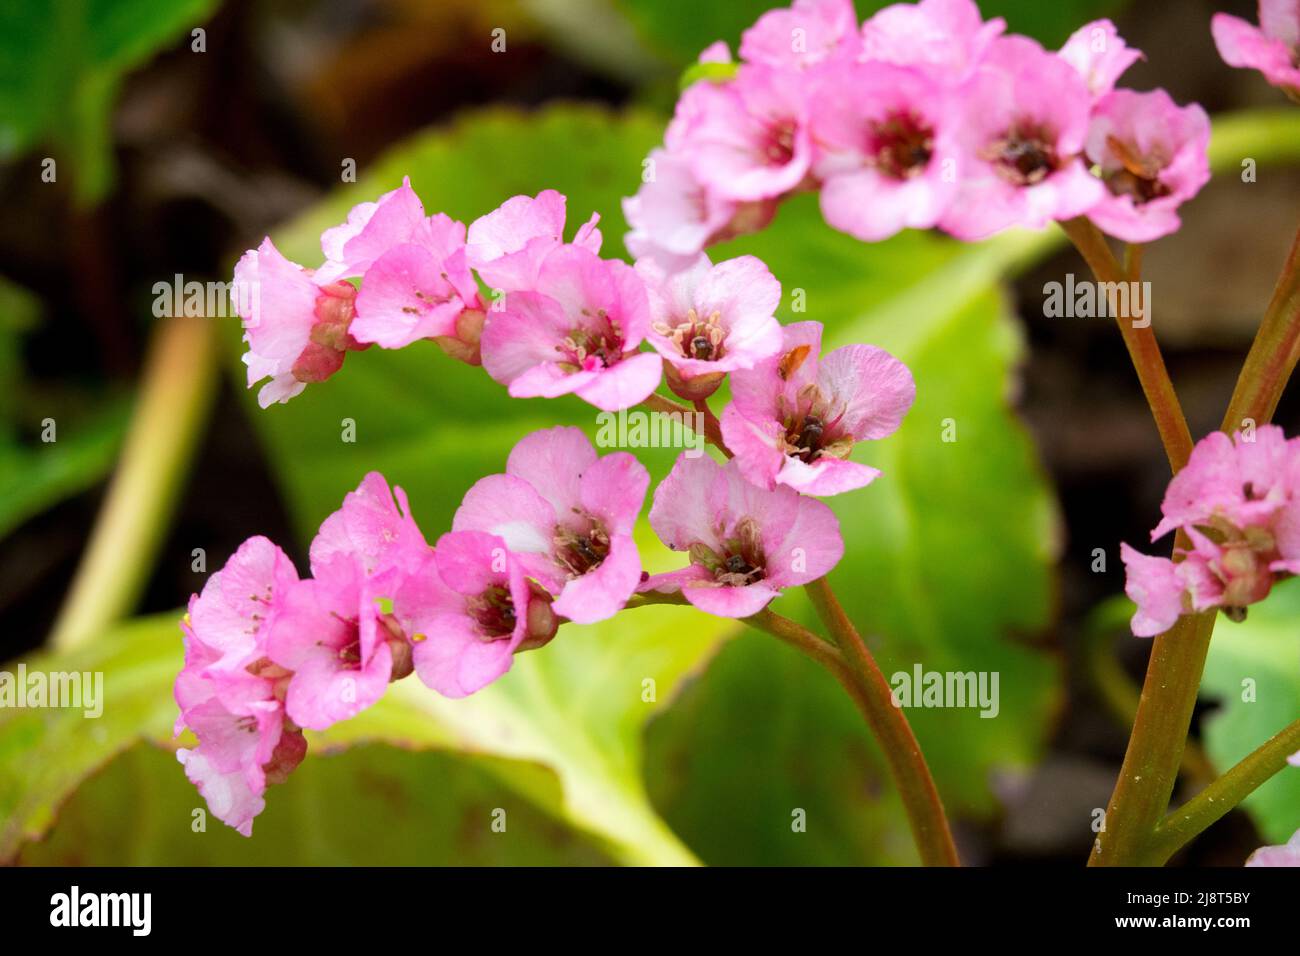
(372, 228)
(229, 693)
(468, 610)
(887, 155)
(674, 216)
(1155, 586)
(509, 244)
(1273, 47)
(370, 526)
(745, 543)
(746, 139)
(420, 288)
(794, 418)
(1100, 55)
(715, 52)
(944, 37)
(568, 518)
(1236, 501)
(296, 328)
(329, 636)
(707, 320)
(803, 34)
(1286, 855)
(576, 330)
(331, 633)
(1026, 113)
(1152, 155)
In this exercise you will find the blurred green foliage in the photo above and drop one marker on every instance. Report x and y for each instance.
(61, 66)
(36, 474)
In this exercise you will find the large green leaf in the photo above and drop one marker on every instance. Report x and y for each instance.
(61, 65)
(371, 806)
(46, 753)
(1254, 670)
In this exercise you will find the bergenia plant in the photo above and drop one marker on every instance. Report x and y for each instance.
(926, 116)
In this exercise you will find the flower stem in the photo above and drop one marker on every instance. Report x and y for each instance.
(1155, 747)
(907, 763)
(1193, 817)
(1140, 341)
(178, 385)
(712, 427)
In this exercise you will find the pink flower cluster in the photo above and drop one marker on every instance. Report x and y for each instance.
(562, 319)
(1238, 502)
(268, 654)
(924, 116)
(550, 540)
(1273, 47)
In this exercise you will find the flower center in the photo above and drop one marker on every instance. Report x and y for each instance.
(1136, 177)
(803, 438)
(586, 347)
(778, 149)
(1025, 155)
(695, 337)
(741, 562)
(901, 145)
(494, 612)
(580, 552)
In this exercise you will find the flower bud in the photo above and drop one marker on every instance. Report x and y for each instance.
(542, 620)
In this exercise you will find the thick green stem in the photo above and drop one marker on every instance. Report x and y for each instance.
(907, 763)
(178, 385)
(1155, 748)
(1194, 816)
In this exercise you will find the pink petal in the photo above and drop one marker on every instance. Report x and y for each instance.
(875, 388)
(730, 601)
(602, 593)
(613, 489)
(629, 382)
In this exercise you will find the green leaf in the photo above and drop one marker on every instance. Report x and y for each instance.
(46, 753)
(61, 66)
(38, 477)
(712, 72)
(371, 806)
(1253, 669)
(577, 706)
(771, 737)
